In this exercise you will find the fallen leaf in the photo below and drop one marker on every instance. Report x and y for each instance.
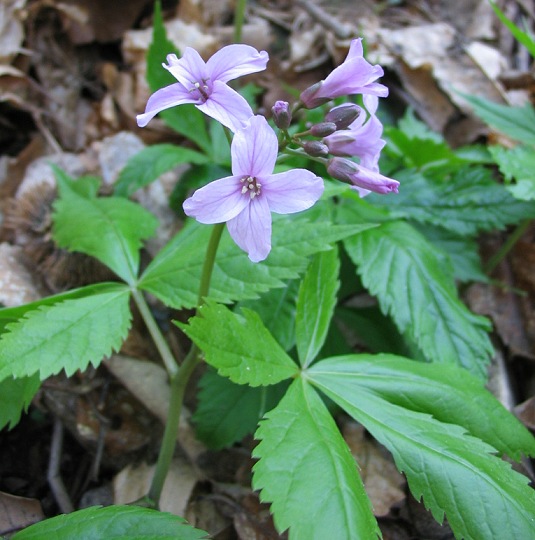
(18, 512)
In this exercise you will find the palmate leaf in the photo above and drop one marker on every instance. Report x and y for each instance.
(110, 229)
(174, 275)
(455, 473)
(15, 397)
(414, 284)
(67, 335)
(151, 162)
(113, 523)
(315, 304)
(239, 346)
(226, 412)
(468, 202)
(306, 471)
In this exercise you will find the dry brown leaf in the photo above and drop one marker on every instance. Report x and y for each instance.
(11, 29)
(18, 512)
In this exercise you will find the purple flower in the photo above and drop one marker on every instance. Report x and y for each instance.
(364, 180)
(361, 139)
(204, 84)
(354, 76)
(246, 199)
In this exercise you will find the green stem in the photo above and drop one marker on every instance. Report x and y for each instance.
(507, 246)
(302, 153)
(239, 16)
(154, 330)
(180, 379)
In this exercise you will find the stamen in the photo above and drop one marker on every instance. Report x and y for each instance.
(251, 186)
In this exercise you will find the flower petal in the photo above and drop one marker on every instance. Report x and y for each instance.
(227, 106)
(217, 202)
(234, 61)
(251, 229)
(169, 96)
(374, 181)
(292, 191)
(254, 149)
(188, 69)
(355, 49)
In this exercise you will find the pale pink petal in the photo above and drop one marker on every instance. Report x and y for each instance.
(234, 61)
(251, 229)
(227, 106)
(355, 49)
(188, 69)
(254, 149)
(374, 181)
(292, 191)
(371, 102)
(218, 201)
(169, 96)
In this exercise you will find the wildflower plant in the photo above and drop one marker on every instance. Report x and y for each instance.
(270, 303)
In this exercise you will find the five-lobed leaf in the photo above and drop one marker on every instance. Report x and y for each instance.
(110, 229)
(113, 523)
(15, 397)
(151, 162)
(415, 286)
(306, 472)
(239, 346)
(67, 335)
(315, 304)
(455, 473)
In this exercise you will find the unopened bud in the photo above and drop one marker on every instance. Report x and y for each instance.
(281, 114)
(309, 96)
(343, 115)
(316, 148)
(323, 129)
(342, 169)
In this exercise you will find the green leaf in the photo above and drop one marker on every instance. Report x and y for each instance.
(468, 202)
(174, 274)
(276, 308)
(110, 229)
(184, 119)
(416, 129)
(515, 122)
(150, 163)
(307, 472)
(15, 397)
(239, 347)
(113, 523)
(446, 392)
(454, 472)
(227, 412)
(220, 144)
(315, 304)
(519, 164)
(522, 37)
(414, 284)
(67, 335)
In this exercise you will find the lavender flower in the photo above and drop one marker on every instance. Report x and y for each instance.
(354, 76)
(204, 84)
(246, 199)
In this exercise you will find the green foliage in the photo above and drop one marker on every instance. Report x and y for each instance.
(517, 164)
(66, 335)
(15, 397)
(522, 37)
(227, 412)
(150, 163)
(239, 347)
(185, 119)
(414, 284)
(315, 304)
(455, 473)
(113, 523)
(174, 274)
(108, 228)
(307, 472)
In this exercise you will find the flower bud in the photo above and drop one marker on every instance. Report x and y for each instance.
(323, 129)
(361, 177)
(343, 115)
(281, 114)
(315, 148)
(342, 169)
(309, 99)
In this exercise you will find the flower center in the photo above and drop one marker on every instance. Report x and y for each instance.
(251, 186)
(201, 89)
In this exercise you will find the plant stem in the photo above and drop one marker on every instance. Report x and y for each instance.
(239, 16)
(179, 380)
(159, 340)
(509, 244)
(302, 153)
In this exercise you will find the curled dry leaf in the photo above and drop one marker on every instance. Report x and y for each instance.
(11, 29)
(18, 512)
